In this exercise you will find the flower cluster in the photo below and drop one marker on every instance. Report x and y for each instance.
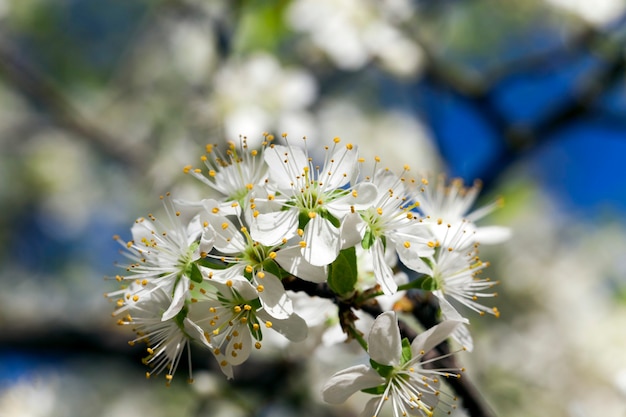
(216, 273)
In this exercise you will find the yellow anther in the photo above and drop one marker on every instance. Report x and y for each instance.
(197, 170)
(361, 160)
(253, 152)
(349, 146)
(249, 269)
(135, 298)
(229, 283)
(260, 288)
(257, 345)
(260, 275)
(249, 186)
(406, 167)
(379, 210)
(255, 213)
(355, 194)
(150, 351)
(203, 158)
(407, 244)
(212, 173)
(270, 197)
(268, 324)
(247, 307)
(237, 309)
(300, 232)
(377, 158)
(177, 213)
(224, 226)
(424, 181)
(336, 140)
(302, 244)
(187, 168)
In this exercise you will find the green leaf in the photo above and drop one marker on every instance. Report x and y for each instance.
(406, 351)
(211, 263)
(368, 239)
(383, 370)
(332, 219)
(342, 273)
(194, 274)
(429, 284)
(379, 390)
(303, 219)
(273, 268)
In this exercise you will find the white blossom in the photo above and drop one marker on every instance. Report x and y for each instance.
(396, 374)
(162, 255)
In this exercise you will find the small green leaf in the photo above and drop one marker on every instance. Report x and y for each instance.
(406, 351)
(332, 219)
(273, 268)
(211, 263)
(383, 370)
(429, 284)
(303, 219)
(342, 273)
(379, 390)
(194, 274)
(368, 239)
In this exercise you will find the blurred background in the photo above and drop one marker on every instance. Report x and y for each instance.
(103, 102)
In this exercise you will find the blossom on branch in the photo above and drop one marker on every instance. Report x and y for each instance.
(396, 373)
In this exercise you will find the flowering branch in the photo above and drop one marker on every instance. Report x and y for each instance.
(221, 273)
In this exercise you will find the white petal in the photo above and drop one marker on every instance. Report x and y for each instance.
(239, 348)
(461, 334)
(270, 229)
(352, 230)
(274, 297)
(245, 289)
(345, 383)
(382, 271)
(371, 407)
(285, 164)
(322, 242)
(342, 170)
(293, 328)
(193, 330)
(490, 235)
(432, 337)
(142, 229)
(291, 260)
(384, 341)
(207, 240)
(362, 196)
(178, 299)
